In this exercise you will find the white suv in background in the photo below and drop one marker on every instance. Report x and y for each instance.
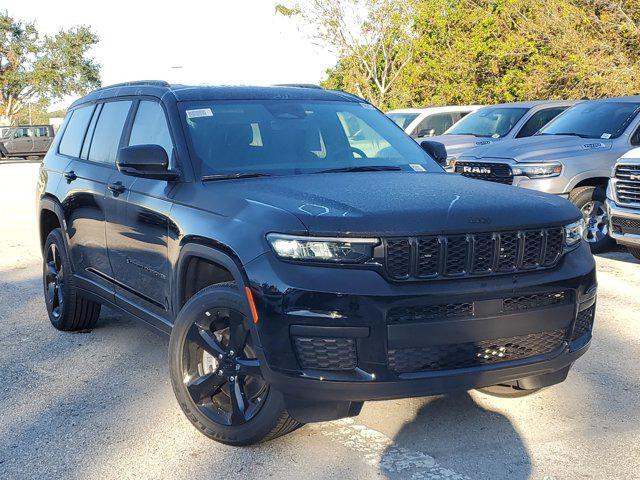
(429, 121)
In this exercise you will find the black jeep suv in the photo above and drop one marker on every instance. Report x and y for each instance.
(304, 254)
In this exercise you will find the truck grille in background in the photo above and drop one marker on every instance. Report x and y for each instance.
(628, 183)
(492, 172)
(326, 353)
(474, 354)
(472, 254)
(625, 225)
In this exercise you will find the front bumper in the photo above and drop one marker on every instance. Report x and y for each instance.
(352, 308)
(623, 234)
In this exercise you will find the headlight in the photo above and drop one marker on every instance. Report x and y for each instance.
(539, 170)
(320, 249)
(573, 233)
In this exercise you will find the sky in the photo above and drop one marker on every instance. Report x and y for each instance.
(194, 41)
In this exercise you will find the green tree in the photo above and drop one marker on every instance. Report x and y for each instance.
(37, 68)
(488, 51)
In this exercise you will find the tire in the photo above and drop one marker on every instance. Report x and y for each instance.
(202, 363)
(591, 202)
(68, 311)
(634, 251)
(507, 391)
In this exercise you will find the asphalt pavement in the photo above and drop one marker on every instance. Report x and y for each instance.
(99, 405)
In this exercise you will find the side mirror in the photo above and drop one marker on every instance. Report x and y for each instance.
(145, 161)
(436, 150)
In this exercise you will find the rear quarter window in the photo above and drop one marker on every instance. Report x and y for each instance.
(73, 134)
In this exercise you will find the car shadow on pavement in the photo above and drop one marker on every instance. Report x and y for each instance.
(619, 254)
(464, 439)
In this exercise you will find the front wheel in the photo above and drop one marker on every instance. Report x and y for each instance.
(215, 371)
(591, 202)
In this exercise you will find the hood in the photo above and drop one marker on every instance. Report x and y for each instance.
(457, 145)
(543, 148)
(389, 203)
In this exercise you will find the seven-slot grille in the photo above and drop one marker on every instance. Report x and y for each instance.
(627, 183)
(472, 254)
(493, 172)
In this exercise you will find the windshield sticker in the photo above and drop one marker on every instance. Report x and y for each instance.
(495, 135)
(199, 112)
(416, 167)
(606, 135)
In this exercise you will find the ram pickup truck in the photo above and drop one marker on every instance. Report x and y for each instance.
(496, 123)
(623, 202)
(300, 269)
(424, 122)
(572, 157)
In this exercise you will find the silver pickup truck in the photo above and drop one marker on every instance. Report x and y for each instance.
(623, 202)
(572, 156)
(497, 123)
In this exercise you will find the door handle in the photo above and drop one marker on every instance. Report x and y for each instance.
(70, 176)
(117, 188)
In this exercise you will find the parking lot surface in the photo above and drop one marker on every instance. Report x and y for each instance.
(100, 405)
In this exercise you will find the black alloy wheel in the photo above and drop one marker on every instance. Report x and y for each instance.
(216, 370)
(54, 281)
(220, 369)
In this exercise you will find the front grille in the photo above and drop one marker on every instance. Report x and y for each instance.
(423, 313)
(472, 254)
(584, 323)
(474, 354)
(326, 353)
(537, 300)
(627, 183)
(625, 225)
(492, 172)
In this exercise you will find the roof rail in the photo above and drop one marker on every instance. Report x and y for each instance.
(150, 83)
(299, 85)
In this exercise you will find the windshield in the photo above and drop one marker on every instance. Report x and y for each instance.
(594, 120)
(403, 120)
(488, 122)
(285, 137)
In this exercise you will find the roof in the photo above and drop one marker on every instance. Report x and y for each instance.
(180, 93)
(446, 109)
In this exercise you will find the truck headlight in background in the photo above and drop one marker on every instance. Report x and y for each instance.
(573, 233)
(538, 170)
(321, 249)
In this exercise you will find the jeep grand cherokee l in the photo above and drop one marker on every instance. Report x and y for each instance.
(298, 270)
(572, 156)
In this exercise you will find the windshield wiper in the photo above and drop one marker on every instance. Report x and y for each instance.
(472, 134)
(233, 176)
(363, 168)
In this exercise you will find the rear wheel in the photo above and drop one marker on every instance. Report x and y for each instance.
(216, 375)
(67, 310)
(591, 202)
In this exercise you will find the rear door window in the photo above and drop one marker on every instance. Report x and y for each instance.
(73, 134)
(108, 132)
